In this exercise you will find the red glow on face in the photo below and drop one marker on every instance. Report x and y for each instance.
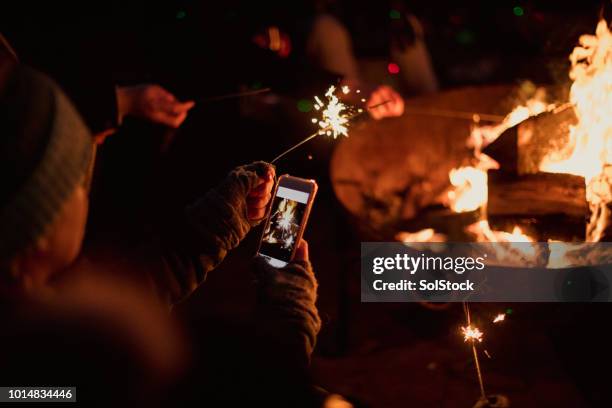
(393, 68)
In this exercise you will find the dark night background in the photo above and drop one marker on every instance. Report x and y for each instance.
(384, 355)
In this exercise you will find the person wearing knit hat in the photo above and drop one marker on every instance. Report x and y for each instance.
(46, 156)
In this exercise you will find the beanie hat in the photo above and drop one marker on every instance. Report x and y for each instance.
(45, 151)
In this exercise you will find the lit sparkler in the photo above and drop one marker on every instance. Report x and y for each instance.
(286, 219)
(499, 318)
(335, 117)
(471, 333)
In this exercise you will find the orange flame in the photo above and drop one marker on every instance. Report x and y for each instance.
(589, 150)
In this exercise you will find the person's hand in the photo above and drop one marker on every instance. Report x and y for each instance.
(301, 253)
(259, 197)
(394, 105)
(152, 102)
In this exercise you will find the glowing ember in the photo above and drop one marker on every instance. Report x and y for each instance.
(471, 333)
(499, 318)
(335, 115)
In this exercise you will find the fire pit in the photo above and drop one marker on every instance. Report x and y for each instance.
(394, 174)
(545, 166)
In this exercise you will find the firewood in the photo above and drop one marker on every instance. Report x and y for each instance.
(521, 148)
(552, 205)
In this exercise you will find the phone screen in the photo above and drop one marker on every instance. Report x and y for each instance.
(286, 215)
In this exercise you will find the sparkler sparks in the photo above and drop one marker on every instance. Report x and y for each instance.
(499, 318)
(471, 333)
(286, 218)
(334, 116)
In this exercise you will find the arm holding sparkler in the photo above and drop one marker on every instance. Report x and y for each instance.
(199, 240)
(152, 102)
(386, 102)
(382, 101)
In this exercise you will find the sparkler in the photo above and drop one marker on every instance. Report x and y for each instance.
(283, 227)
(499, 318)
(473, 334)
(335, 117)
(286, 219)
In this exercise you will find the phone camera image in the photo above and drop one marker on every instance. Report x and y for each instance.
(281, 233)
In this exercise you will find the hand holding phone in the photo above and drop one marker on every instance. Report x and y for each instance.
(285, 225)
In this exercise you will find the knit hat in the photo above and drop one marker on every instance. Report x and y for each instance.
(45, 151)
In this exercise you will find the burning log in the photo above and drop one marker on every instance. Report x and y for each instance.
(522, 148)
(550, 205)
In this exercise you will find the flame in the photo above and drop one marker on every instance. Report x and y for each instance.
(515, 248)
(335, 114)
(469, 183)
(589, 150)
(471, 333)
(470, 192)
(588, 154)
(499, 318)
(482, 229)
(482, 136)
(424, 235)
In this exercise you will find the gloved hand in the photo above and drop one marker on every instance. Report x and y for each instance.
(226, 213)
(286, 300)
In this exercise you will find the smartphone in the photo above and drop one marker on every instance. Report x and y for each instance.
(291, 204)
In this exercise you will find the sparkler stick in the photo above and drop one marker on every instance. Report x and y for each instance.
(234, 95)
(474, 334)
(295, 147)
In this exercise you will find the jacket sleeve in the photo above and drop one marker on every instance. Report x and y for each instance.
(287, 317)
(200, 238)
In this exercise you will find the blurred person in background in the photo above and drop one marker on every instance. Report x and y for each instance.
(372, 42)
(66, 323)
